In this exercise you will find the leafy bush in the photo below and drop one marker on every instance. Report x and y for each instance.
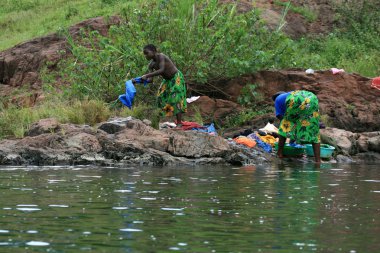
(208, 42)
(249, 96)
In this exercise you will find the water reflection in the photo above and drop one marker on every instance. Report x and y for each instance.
(284, 207)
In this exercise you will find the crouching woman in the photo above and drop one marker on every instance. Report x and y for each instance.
(299, 115)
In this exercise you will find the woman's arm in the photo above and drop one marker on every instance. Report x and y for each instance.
(157, 72)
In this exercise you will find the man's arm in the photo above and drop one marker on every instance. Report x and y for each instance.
(157, 72)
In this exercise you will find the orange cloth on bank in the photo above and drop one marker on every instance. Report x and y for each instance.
(245, 141)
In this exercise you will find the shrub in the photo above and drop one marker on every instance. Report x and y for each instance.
(208, 42)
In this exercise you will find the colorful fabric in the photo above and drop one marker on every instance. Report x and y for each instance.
(376, 83)
(301, 119)
(245, 141)
(267, 148)
(210, 129)
(269, 139)
(188, 125)
(171, 96)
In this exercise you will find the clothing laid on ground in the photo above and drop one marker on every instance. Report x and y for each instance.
(301, 119)
(265, 146)
(188, 125)
(268, 139)
(280, 104)
(171, 96)
(245, 141)
(376, 83)
(269, 128)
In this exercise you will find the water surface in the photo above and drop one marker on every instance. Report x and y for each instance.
(279, 208)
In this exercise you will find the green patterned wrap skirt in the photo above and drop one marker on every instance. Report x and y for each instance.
(301, 119)
(171, 96)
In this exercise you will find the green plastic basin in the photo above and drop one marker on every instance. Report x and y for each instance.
(326, 150)
(290, 151)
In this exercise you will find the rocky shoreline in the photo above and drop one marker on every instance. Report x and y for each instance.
(121, 142)
(127, 141)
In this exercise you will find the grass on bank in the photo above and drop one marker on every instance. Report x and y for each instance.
(305, 12)
(15, 122)
(22, 20)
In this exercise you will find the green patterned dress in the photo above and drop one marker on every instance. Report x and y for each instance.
(301, 119)
(171, 96)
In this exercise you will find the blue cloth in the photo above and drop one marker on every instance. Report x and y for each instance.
(139, 80)
(207, 129)
(129, 96)
(267, 148)
(280, 104)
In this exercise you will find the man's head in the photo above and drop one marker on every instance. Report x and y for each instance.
(150, 51)
(277, 94)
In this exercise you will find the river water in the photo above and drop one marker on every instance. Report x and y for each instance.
(278, 208)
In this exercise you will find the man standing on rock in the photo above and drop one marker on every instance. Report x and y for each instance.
(299, 115)
(171, 96)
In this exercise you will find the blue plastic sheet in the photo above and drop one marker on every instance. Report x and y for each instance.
(267, 148)
(129, 96)
(207, 129)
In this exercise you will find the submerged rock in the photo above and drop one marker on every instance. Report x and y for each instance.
(119, 142)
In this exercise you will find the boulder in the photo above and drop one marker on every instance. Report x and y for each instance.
(213, 109)
(114, 125)
(344, 141)
(344, 159)
(43, 126)
(367, 157)
(363, 141)
(374, 144)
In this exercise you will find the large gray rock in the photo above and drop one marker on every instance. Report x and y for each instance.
(374, 144)
(344, 141)
(369, 142)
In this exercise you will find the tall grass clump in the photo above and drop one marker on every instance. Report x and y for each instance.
(15, 122)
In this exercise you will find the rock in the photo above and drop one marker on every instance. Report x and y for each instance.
(194, 144)
(374, 144)
(114, 125)
(367, 157)
(147, 122)
(123, 141)
(213, 110)
(84, 142)
(344, 141)
(43, 126)
(343, 159)
(363, 141)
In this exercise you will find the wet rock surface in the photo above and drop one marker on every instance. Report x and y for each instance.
(119, 142)
(350, 147)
